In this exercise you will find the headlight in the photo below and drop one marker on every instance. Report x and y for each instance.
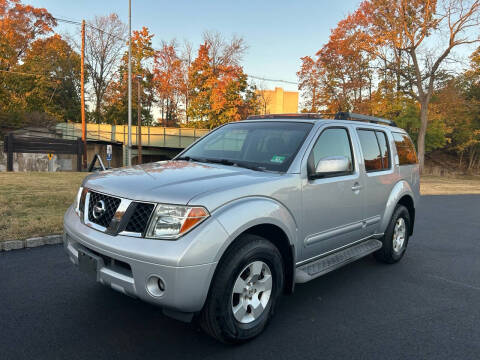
(78, 201)
(172, 221)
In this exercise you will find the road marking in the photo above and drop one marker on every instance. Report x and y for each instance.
(455, 282)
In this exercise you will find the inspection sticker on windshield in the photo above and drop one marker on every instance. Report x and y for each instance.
(278, 159)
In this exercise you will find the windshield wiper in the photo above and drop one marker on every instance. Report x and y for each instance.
(189, 158)
(252, 167)
(204, 160)
(223, 162)
(235, 163)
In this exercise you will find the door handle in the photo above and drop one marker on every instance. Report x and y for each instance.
(356, 187)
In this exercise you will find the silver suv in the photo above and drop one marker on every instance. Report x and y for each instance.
(245, 213)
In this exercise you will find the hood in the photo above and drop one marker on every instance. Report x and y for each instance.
(172, 182)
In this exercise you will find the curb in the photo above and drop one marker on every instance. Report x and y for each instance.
(30, 243)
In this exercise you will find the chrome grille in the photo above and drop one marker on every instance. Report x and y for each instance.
(139, 220)
(111, 206)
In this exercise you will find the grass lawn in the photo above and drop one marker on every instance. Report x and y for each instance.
(33, 204)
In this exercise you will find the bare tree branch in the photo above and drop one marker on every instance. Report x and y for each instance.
(104, 45)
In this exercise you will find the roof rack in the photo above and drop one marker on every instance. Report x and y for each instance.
(345, 115)
(341, 115)
(286, 116)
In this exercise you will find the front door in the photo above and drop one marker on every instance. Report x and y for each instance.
(332, 207)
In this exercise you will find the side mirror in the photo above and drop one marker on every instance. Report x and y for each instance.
(332, 165)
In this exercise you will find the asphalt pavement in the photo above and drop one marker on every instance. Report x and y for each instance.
(425, 307)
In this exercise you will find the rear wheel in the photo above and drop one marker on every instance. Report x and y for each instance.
(396, 236)
(244, 291)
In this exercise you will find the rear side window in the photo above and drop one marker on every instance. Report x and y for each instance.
(383, 143)
(405, 149)
(376, 154)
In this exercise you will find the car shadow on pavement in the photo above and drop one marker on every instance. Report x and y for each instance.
(132, 328)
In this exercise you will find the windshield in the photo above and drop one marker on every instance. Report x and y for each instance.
(260, 146)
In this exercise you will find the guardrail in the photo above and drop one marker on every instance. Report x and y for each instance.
(155, 136)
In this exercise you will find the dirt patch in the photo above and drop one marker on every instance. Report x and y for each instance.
(436, 185)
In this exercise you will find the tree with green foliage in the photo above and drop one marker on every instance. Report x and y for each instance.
(56, 89)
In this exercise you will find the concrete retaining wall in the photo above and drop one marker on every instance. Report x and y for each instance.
(60, 162)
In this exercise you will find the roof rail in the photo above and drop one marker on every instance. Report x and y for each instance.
(341, 115)
(345, 115)
(286, 116)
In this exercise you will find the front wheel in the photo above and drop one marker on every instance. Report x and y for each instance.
(395, 240)
(244, 290)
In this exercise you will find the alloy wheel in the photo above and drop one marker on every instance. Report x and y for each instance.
(251, 292)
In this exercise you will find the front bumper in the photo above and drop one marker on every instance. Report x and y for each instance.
(127, 263)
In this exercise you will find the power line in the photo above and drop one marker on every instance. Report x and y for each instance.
(273, 80)
(74, 22)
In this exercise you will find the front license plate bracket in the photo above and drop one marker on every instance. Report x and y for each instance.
(89, 263)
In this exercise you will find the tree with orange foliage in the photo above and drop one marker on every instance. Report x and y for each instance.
(399, 33)
(347, 70)
(20, 26)
(219, 90)
(458, 104)
(340, 78)
(309, 78)
(168, 77)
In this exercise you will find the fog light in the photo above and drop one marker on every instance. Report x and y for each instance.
(155, 286)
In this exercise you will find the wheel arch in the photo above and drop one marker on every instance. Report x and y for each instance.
(407, 201)
(403, 194)
(279, 238)
(267, 218)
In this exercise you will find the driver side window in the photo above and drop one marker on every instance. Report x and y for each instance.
(332, 142)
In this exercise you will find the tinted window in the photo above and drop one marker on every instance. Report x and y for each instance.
(267, 145)
(370, 149)
(384, 151)
(332, 142)
(405, 149)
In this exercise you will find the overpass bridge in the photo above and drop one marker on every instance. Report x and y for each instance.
(157, 141)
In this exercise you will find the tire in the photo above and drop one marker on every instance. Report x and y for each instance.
(242, 260)
(391, 252)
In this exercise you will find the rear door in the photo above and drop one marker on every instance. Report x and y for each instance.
(332, 207)
(380, 177)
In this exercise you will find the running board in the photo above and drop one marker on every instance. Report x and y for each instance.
(331, 262)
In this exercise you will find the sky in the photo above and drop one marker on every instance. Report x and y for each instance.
(278, 33)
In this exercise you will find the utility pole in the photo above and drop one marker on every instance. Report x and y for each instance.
(139, 130)
(82, 98)
(129, 149)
